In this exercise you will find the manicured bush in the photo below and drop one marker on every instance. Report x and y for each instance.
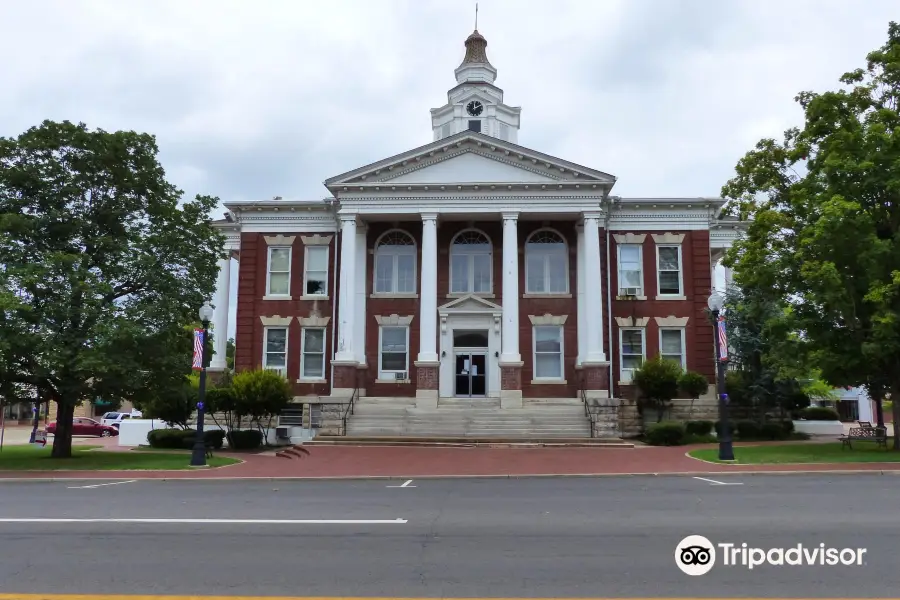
(181, 439)
(747, 430)
(773, 430)
(700, 428)
(244, 439)
(667, 433)
(214, 438)
(788, 426)
(819, 413)
(718, 427)
(700, 439)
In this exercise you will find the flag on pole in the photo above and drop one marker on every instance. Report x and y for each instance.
(723, 339)
(198, 350)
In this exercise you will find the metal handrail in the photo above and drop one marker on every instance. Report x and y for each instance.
(349, 408)
(584, 400)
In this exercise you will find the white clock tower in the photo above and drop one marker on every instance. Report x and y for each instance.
(476, 104)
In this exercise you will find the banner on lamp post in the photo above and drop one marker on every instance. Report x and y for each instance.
(723, 339)
(197, 364)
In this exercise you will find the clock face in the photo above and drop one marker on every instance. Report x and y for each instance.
(474, 108)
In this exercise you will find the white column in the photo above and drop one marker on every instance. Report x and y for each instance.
(220, 316)
(510, 331)
(428, 298)
(360, 335)
(593, 290)
(582, 306)
(347, 298)
(729, 277)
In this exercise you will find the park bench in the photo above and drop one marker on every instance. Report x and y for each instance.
(865, 433)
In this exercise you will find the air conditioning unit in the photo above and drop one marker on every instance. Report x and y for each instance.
(283, 433)
(402, 376)
(627, 375)
(631, 291)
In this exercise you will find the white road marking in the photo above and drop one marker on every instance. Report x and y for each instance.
(84, 487)
(213, 521)
(403, 486)
(714, 482)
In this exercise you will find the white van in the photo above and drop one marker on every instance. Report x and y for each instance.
(114, 418)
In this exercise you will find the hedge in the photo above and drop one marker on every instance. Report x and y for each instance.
(667, 433)
(181, 439)
(244, 439)
(698, 427)
(819, 413)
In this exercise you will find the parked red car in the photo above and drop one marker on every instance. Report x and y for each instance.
(84, 426)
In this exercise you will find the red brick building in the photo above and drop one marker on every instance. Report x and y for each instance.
(471, 267)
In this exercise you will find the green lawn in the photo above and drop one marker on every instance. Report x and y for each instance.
(30, 458)
(864, 452)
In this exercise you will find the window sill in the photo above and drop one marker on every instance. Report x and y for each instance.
(301, 380)
(393, 381)
(626, 383)
(277, 297)
(631, 297)
(385, 295)
(549, 296)
(310, 298)
(549, 382)
(464, 294)
(670, 297)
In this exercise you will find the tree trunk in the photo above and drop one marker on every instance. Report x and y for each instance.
(62, 438)
(879, 407)
(895, 408)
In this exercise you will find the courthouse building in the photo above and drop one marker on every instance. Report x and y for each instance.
(470, 267)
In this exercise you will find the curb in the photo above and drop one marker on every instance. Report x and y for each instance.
(438, 477)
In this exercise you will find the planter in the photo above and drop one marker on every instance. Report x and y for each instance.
(829, 428)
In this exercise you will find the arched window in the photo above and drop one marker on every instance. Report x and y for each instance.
(546, 263)
(470, 263)
(395, 263)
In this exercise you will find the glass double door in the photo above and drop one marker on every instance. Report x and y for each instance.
(470, 374)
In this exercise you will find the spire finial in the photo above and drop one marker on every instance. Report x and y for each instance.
(476, 16)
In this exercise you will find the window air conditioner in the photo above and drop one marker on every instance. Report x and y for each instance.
(631, 291)
(627, 375)
(402, 376)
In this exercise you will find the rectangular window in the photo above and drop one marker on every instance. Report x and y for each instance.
(548, 352)
(279, 281)
(631, 276)
(275, 349)
(315, 277)
(632, 352)
(312, 357)
(669, 265)
(470, 273)
(393, 352)
(671, 345)
(475, 125)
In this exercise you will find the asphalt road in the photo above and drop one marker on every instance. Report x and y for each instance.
(601, 537)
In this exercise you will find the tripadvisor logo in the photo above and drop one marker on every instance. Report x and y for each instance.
(696, 555)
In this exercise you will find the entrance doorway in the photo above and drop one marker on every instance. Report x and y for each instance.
(470, 350)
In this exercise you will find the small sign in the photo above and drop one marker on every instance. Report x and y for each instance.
(40, 438)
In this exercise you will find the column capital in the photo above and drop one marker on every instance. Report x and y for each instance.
(429, 216)
(510, 215)
(592, 215)
(345, 217)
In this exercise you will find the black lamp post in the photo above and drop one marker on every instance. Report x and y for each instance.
(726, 450)
(198, 456)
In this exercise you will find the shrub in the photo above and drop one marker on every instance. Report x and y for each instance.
(214, 438)
(657, 380)
(700, 428)
(773, 430)
(667, 433)
(180, 439)
(747, 430)
(700, 439)
(718, 427)
(244, 439)
(693, 384)
(819, 413)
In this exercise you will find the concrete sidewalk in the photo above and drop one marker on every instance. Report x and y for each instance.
(403, 462)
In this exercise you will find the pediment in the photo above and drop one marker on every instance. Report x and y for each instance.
(470, 304)
(470, 157)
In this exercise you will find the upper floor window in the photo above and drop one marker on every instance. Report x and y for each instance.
(279, 279)
(546, 263)
(315, 277)
(631, 276)
(470, 263)
(669, 267)
(395, 264)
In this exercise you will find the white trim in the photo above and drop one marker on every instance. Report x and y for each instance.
(303, 353)
(470, 284)
(567, 290)
(680, 295)
(395, 275)
(265, 346)
(316, 240)
(623, 379)
(683, 343)
(562, 352)
(384, 376)
(269, 295)
(621, 287)
(280, 240)
(306, 253)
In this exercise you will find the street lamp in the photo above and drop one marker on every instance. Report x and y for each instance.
(726, 451)
(198, 456)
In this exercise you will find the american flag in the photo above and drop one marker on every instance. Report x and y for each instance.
(723, 339)
(198, 350)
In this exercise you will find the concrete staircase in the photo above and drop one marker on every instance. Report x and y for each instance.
(470, 419)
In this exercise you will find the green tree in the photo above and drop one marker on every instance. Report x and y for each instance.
(260, 395)
(229, 354)
(657, 381)
(105, 262)
(693, 385)
(824, 228)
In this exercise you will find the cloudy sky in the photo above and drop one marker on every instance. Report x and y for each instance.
(250, 100)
